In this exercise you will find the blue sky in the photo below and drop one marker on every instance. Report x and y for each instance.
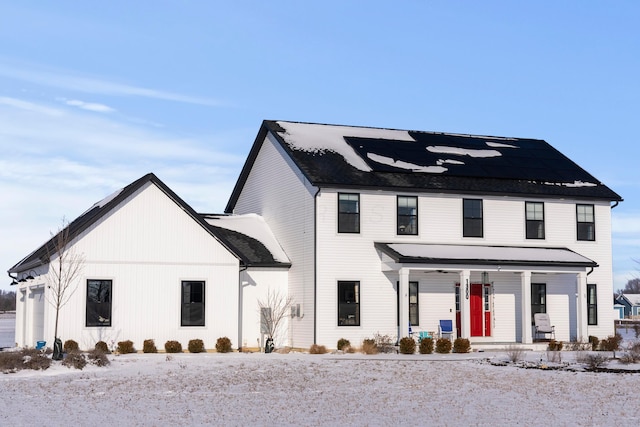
(95, 95)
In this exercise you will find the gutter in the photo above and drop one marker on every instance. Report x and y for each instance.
(315, 266)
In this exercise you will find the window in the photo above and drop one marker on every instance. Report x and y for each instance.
(349, 303)
(586, 222)
(98, 303)
(472, 218)
(592, 305)
(534, 212)
(414, 307)
(408, 215)
(192, 303)
(538, 299)
(348, 213)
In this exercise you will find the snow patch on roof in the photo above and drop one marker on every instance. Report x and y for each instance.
(499, 145)
(254, 226)
(405, 165)
(572, 184)
(104, 201)
(449, 161)
(443, 149)
(317, 138)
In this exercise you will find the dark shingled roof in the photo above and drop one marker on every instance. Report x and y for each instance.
(249, 251)
(430, 162)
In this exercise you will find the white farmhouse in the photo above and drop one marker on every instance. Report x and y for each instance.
(368, 231)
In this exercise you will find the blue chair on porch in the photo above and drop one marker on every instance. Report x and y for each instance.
(446, 328)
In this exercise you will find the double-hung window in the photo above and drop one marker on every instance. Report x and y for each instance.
(192, 313)
(472, 218)
(414, 307)
(538, 299)
(98, 302)
(585, 218)
(348, 213)
(592, 304)
(407, 215)
(348, 303)
(534, 212)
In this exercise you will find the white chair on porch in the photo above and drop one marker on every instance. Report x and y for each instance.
(543, 325)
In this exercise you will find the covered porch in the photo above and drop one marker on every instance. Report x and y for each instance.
(489, 292)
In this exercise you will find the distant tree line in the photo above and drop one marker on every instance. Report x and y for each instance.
(7, 300)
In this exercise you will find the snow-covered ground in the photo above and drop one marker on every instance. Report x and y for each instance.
(304, 389)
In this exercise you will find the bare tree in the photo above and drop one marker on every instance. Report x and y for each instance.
(274, 308)
(65, 266)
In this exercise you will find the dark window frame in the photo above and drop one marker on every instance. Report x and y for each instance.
(348, 219)
(192, 303)
(406, 223)
(348, 303)
(472, 218)
(99, 303)
(592, 304)
(538, 299)
(585, 229)
(414, 288)
(535, 227)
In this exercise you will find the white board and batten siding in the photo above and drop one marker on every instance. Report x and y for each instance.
(276, 190)
(147, 246)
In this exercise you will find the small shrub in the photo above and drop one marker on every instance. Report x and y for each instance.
(515, 353)
(426, 346)
(75, 359)
(595, 361)
(636, 330)
(461, 345)
(443, 345)
(579, 346)
(595, 342)
(126, 347)
(149, 346)
(102, 346)
(407, 345)
(555, 345)
(317, 349)
(384, 343)
(369, 346)
(223, 345)
(27, 358)
(98, 357)
(611, 343)
(173, 347)
(342, 343)
(69, 346)
(196, 346)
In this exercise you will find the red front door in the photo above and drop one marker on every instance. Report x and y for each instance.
(476, 302)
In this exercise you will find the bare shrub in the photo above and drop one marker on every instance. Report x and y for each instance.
(223, 345)
(75, 359)
(443, 345)
(554, 356)
(514, 353)
(196, 346)
(369, 346)
(632, 354)
(407, 345)
(461, 345)
(426, 346)
(384, 343)
(342, 343)
(70, 345)
(125, 347)
(595, 342)
(34, 359)
(102, 346)
(611, 343)
(149, 346)
(595, 360)
(173, 347)
(317, 349)
(98, 357)
(579, 346)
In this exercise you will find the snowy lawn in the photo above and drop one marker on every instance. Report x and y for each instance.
(331, 389)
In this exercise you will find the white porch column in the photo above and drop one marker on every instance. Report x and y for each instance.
(581, 307)
(525, 285)
(403, 293)
(465, 307)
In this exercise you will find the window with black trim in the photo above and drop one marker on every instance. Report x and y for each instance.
(534, 214)
(98, 302)
(585, 218)
(414, 307)
(407, 215)
(348, 303)
(472, 218)
(192, 303)
(538, 299)
(348, 213)
(592, 304)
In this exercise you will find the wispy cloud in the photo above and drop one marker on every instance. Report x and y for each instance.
(90, 106)
(47, 76)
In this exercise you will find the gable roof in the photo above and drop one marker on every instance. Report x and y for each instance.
(241, 248)
(632, 299)
(337, 156)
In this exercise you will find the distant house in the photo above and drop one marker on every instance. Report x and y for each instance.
(153, 269)
(631, 304)
(367, 230)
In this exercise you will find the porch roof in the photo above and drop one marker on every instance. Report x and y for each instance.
(423, 253)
